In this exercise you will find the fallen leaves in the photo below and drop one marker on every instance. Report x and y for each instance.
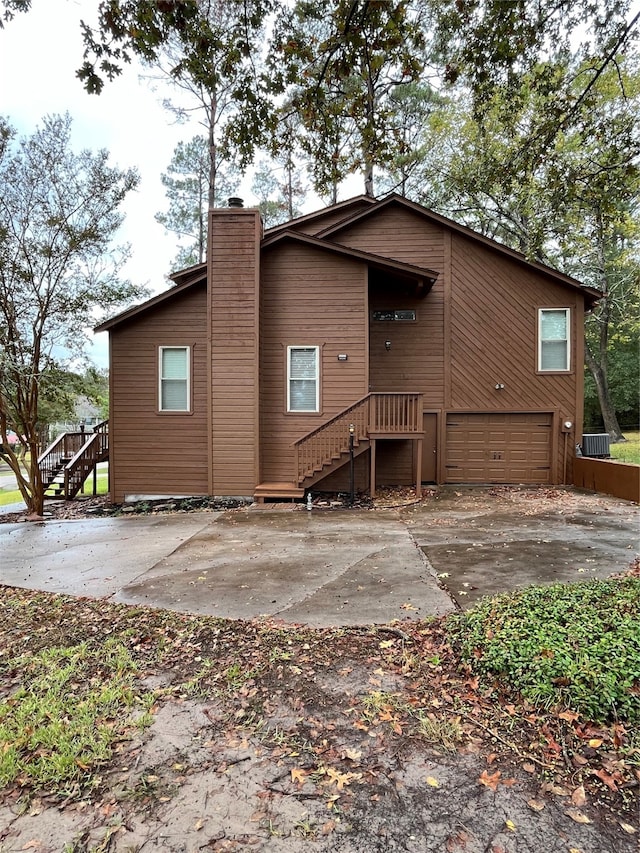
(490, 780)
(577, 816)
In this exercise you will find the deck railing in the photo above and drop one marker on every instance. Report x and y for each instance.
(395, 414)
(382, 415)
(75, 455)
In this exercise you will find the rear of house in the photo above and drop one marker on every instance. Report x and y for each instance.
(452, 359)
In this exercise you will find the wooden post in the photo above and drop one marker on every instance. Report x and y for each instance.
(419, 468)
(372, 474)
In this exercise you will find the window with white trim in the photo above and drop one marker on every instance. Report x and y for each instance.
(554, 353)
(174, 390)
(303, 379)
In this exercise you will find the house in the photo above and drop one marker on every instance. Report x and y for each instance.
(440, 355)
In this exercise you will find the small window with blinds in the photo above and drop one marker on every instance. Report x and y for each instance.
(303, 379)
(174, 391)
(553, 340)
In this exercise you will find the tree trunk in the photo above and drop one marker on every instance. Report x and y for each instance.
(368, 179)
(212, 150)
(609, 416)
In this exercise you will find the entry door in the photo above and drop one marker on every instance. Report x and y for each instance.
(429, 446)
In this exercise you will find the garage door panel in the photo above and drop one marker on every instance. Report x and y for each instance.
(500, 447)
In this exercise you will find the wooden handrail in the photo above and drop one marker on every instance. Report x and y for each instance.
(377, 414)
(82, 450)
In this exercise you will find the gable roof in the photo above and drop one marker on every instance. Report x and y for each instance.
(379, 262)
(346, 209)
(197, 275)
(590, 293)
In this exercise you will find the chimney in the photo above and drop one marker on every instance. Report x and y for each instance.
(234, 201)
(233, 269)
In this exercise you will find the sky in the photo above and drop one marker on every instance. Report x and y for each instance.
(39, 54)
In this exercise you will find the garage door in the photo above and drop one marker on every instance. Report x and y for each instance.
(499, 448)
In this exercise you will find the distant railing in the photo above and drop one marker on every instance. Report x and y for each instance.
(377, 414)
(75, 455)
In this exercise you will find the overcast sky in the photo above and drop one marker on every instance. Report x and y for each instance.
(39, 54)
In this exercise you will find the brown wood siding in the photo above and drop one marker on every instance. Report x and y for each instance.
(399, 234)
(308, 298)
(233, 309)
(499, 448)
(415, 361)
(493, 340)
(153, 452)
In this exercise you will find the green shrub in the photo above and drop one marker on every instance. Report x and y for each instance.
(575, 645)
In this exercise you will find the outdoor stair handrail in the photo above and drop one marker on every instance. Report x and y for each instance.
(379, 413)
(82, 451)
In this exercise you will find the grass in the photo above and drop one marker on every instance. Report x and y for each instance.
(576, 646)
(59, 727)
(13, 496)
(629, 450)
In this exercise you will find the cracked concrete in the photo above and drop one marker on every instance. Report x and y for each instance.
(334, 567)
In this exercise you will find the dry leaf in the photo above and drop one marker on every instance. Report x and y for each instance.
(198, 824)
(510, 825)
(578, 816)
(433, 782)
(595, 742)
(528, 767)
(386, 644)
(608, 780)
(490, 780)
(631, 830)
(578, 797)
(569, 716)
(352, 754)
(328, 827)
(536, 805)
(31, 845)
(298, 775)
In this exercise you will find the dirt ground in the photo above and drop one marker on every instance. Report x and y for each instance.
(271, 737)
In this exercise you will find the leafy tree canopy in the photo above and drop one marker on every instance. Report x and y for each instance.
(59, 212)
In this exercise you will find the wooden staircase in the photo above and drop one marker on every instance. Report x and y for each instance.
(327, 448)
(73, 456)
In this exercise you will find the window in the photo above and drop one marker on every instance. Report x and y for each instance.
(302, 379)
(174, 379)
(553, 339)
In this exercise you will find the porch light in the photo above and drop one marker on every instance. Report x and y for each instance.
(387, 345)
(342, 356)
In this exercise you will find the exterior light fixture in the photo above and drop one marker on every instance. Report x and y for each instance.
(568, 425)
(499, 386)
(387, 345)
(342, 356)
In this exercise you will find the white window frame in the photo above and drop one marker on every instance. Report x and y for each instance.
(567, 341)
(291, 349)
(161, 379)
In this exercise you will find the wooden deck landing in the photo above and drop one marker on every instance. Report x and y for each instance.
(278, 491)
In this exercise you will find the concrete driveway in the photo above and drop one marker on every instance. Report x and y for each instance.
(337, 567)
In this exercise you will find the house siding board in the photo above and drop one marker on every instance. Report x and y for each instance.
(152, 452)
(416, 359)
(233, 311)
(493, 340)
(309, 297)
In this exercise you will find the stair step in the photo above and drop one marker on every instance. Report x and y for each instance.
(277, 490)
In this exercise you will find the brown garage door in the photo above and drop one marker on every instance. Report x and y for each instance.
(499, 448)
